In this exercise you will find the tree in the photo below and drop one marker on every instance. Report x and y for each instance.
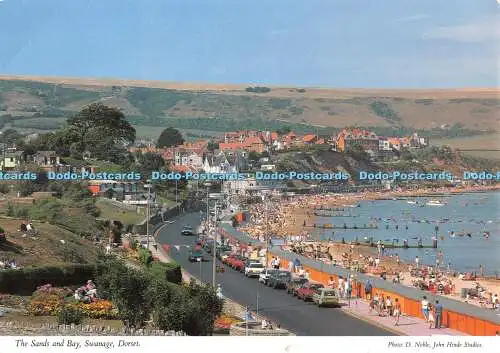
(170, 137)
(284, 130)
(149, 162)
(212, 146)
(11, 136)
(101, 130)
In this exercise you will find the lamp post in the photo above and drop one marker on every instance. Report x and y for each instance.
(176, 197)
(199, 260)
(148, 186)
(214, 268)
(3, 150)
(208, 189)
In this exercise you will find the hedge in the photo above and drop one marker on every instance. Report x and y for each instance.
(24, 281)
(169, 271)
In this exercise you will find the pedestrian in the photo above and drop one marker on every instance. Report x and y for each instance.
(341, 286)
(368, 289)
(372, 305)
(398, 261)
(438, 309)
(397, 311)
(381, 304)
(377, 262)
(383, 249)
(425, 308)
(348, 288)
(430, 317)
(388, 305)
(417, 262)
(331, 283)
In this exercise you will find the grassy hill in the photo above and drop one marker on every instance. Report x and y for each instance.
(53, 245)
(35, 104)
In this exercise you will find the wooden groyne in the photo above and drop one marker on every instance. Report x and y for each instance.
(345, 226)
(330, 209)
(332, 214)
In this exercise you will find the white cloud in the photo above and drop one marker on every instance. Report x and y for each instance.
(416, 17)
(483, 30)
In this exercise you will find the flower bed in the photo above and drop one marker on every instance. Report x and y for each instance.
(48, 301)
(44, 304)
(100, 309)
(225, 321)
(12, 301)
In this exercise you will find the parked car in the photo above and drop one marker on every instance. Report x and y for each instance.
(253, 269)
(187, 231)
(264, 275)
(294, 284)
(307, 291)
(236, 262)
(222, 254)
(195, 255)
(326, 297)
(279, 280)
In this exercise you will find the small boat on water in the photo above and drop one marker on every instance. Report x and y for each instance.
(435, 203)
(411, 202)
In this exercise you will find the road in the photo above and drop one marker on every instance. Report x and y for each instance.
(304, 319)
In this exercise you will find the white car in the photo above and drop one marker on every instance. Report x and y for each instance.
(265, 274)
(253, 269)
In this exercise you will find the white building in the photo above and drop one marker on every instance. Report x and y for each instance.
(218, 164)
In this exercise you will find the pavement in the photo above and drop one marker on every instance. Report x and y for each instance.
(304, 319)
(407, 326)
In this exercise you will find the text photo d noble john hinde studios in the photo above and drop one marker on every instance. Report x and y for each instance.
(306, 174)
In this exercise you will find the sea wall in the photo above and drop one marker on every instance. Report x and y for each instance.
(459, 316)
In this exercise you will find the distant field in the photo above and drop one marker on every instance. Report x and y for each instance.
(153, 102)
(153, 132)
(482, 142)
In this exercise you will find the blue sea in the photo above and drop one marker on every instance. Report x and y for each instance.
(475, 213)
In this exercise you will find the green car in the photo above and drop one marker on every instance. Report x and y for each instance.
(195, 256)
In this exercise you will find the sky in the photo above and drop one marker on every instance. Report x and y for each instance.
(320, 43)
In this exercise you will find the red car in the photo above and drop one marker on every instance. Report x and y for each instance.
(307, 290)
(236, 262)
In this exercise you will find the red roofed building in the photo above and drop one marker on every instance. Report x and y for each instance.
(349, 138)
(309, 139)
(251, 144)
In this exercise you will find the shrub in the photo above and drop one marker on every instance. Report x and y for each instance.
(26, 280)
(69, 315)
(145, 257)
(170, 272)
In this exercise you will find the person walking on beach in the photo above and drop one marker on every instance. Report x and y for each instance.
(425, 308)
(438, 310)
(417, 262)
(397, 311)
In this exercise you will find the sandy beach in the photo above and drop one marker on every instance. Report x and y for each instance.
(290, 219)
